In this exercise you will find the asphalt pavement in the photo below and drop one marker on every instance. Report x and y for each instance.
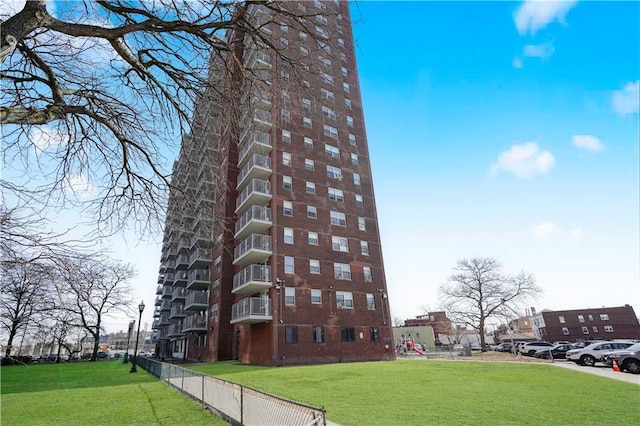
(600, 370)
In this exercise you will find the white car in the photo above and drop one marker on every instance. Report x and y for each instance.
(591, 354)
(530, 348)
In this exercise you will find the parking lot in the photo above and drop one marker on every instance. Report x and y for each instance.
(600, 370)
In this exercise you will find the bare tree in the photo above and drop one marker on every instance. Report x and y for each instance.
(91, 289)
(95, 93)
(479, 290)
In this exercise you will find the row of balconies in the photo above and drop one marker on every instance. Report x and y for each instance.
(256, 220)
(257, 192)
(258, 166)
(254, 141)
(251, 310)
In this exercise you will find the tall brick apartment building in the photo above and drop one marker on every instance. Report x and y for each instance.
(279, 260)
(587, 324)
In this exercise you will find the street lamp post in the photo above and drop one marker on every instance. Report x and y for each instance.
(135, 353)
(126, 354)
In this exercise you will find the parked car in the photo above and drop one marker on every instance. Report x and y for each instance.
(144, 353)
(516, 348)
(591, 354)
(605, 357)
(475, 347)
(562, 342)
(531, 348)
(628, 360)
(503, 347)
(557, 352)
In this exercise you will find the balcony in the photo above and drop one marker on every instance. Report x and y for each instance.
(258, 167)
(195, 322)
(168, 278)
(175, 330)
(257, 192)
(256, 248)
(199, 258)
(164, 320)
(253, 279)
(160, 278)
(199, 279)
(170, 265)
(181, 278)
(252, 142)
(197, 301)
(256, 220)
(177, 311)
(165, 306)
(159, 289)
(261, 119)
(162, 334)
(257, 60)
(201, 236)
(178, 294)
(166, 291)
(182, 261)
(251, 310)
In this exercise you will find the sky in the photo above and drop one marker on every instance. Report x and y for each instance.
(495, 129)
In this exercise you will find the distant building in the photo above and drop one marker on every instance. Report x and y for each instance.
(441, 325)
(586, 324)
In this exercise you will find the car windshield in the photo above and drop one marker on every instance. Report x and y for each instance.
(633, 348)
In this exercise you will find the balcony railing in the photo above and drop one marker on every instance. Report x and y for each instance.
(199, 279)
(177, 311)
(195, 323)
(179, 293)
(254, 141)
(201, 256)
(256, 220)
(253, 249)
(251, 310)
(258, 166)
(166, 291)
(197, 301)
(181, 278)
(175, 330)
(252, 279)
(258, 191)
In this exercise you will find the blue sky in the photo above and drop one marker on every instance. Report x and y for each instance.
(508, 130)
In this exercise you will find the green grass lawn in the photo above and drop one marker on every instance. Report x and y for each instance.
(418, 392)
(93, 393)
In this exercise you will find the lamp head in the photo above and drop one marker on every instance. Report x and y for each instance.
(141, 306)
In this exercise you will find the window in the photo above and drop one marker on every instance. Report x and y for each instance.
(349, 121)
(585, 330)
(331, 132)
(344, 71)
(334, 172)
(580, 318)
(311, 187)
(217, 264)
(354, 159)
(362, 224)
(371, 303)
(328, 112)
(608, 328)
(347, 103)
(342, 271)
(318, 4)
(287, 208)
(289, 267)
(366, 272)
(321, 31)
(284, 27)
(562, 320)
(374, 334)
(324, 46)
(288, 235)
(306, 122)
(216, 287)
(313, 238)
(306, 103)
(338, 218)
(303, 35)
(318, 334)
(214, 311)
(286, 159)
(565, 331)
(331, 151)
(322, 19)
(286, 136)
(595, 329)
(308, 142)
(356, 179)
(326, 77)
(312, 212)
(364, 248)
(314, 266)
(336, 195)
(341, 42)
(316, 297)
(306, 84)
(346, 87)
(286, 115)
(347, 334)
(291, 333)
(284, 42)
(327, 94)
(359, 202)
(289, 295)
(309, 164)
(340, 29)
(344, 299)
(284, 94)
(304, 51)
(286, 182)
(340, 244)
(352, 139)
(604, 317)
(343, 57)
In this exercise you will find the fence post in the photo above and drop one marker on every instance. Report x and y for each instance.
(241, 405)
(202, 390)
(182, 385)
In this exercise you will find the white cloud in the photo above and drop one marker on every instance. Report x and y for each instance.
(545, 230)
(525, 161)
(44, 138)
(78, 185)
(542, 51)
(534, 15)
(627, 100)
(548, 230)
(517, 62)
(588, 142)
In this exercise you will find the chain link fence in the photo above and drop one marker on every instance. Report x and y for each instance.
(237, 404)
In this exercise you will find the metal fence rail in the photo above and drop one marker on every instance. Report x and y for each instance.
(235, 403)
